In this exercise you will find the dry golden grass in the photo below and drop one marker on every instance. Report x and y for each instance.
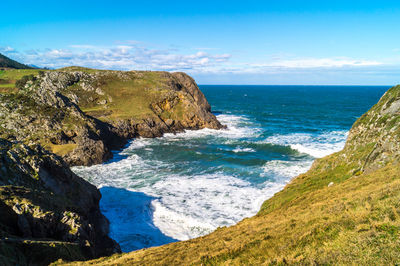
(62, 149)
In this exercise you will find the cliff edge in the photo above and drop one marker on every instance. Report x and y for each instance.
(82, 114)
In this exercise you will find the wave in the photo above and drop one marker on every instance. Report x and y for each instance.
(237, 127)
(315, 145)
(240, 149)
(192, 206)
(286, 170)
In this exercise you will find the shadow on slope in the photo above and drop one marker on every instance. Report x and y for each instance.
(131, 217)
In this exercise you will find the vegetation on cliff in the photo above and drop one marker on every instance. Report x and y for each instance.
(344, 210)
(81, 114)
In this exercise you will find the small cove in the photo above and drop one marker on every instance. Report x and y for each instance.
(185, 185)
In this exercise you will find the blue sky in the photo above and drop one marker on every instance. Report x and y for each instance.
(217, 42)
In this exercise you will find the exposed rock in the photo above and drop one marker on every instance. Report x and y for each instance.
(43, 201)
(49, 111)
(378, 133)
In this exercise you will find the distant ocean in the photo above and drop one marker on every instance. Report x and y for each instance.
(182, 186)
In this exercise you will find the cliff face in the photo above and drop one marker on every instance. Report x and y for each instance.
(82, 115)
(47, 212)
(378, 132)
(345, 210)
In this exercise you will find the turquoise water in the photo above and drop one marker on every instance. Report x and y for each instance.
(182, 186)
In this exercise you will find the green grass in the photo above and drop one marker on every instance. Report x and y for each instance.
(62, 149)
(10, 76)
(131, 95)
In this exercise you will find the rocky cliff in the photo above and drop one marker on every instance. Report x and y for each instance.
(47, 212)
(345, 210)
(82, 114)
(378, 132)
(50, 120)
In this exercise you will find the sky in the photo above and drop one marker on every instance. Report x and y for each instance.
(217, 42)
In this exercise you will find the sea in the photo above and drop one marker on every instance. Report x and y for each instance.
(186, 185)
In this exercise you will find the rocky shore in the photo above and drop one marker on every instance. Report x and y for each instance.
(76, 116)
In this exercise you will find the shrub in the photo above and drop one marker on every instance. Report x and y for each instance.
(20, 84)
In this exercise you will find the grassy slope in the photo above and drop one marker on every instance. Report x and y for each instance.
(354, 220)
(8, 77)
(130, 93)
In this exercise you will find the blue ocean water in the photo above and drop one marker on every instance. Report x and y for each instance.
(182, 186)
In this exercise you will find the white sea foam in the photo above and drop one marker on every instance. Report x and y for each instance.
(192, 206)
(237, 127)
(240, 149)
(119, 173)
(286, 170)
(315, 145)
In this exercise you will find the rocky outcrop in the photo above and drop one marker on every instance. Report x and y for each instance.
(377, 132)
(82, 115)
(44, 204)
(25, 118)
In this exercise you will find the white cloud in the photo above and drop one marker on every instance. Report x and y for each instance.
(7, 49)
(135, 55)
(322, 62)
(121, 57)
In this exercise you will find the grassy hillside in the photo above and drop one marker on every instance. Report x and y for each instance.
(8, 77)
(10, 72)
(344, 210)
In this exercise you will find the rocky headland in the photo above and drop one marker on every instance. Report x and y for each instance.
(83, 115)
(50, 120)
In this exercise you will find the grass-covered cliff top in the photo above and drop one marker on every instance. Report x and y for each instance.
(81, 114)
(105, 93)
(344, 210)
